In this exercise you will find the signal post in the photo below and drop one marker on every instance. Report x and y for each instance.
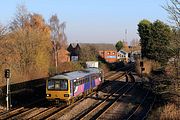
(7, 75)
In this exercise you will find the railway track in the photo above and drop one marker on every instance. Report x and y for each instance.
(30, 112)
(16, 111)
(33, 112)
(104, 105)
(142, 110)
(109, 74)
(134, 110)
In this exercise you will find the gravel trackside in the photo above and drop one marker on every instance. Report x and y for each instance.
(78, 108)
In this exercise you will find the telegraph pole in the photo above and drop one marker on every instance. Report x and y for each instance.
(55, 55)
(125, 35)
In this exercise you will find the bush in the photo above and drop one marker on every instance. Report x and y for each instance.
(170, 112)
(69, 66)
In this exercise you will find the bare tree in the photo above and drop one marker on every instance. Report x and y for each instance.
(21, 17)
(173, 9)
(2, 44)
(57, 31)
(58, 36)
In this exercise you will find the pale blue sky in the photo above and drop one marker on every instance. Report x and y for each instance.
(89, 21)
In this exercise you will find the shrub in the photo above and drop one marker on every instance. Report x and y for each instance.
(69, 66)
(170, 112)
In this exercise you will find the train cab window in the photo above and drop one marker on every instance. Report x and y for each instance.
(55, 84)
(50, 84)
(63, 84)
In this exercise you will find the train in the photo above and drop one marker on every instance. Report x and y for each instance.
(70, 86)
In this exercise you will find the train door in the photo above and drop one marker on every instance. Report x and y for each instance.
(90, 81)
(72, 87)
(102, 76)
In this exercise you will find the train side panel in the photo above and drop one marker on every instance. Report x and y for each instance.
(78, 90)
(92, 84)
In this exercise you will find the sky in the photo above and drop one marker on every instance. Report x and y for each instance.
(92, 21)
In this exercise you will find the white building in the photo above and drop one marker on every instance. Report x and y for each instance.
(122, 55)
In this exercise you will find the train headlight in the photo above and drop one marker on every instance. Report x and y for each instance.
(48, 95)
(66, 95)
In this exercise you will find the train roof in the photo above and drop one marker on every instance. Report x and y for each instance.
(76, 74)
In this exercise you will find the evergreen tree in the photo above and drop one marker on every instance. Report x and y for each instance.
(119, 45)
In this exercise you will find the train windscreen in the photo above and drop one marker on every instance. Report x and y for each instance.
(58, 84)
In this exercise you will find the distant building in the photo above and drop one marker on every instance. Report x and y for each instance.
(106, 51)
(122, 55)
(74, 50)
(135, 53)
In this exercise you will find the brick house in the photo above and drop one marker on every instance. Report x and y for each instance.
(106, 51)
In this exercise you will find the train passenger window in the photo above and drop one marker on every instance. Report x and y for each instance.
(78, 83)
(75, 83)
(94, 77)
(87, 80)
(83, 81)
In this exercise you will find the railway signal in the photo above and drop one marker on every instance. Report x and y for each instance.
(7, 75)
(141, 64)
(142, 67)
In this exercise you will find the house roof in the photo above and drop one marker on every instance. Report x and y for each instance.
(98, 46)
(123, 52)
(73, 45)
